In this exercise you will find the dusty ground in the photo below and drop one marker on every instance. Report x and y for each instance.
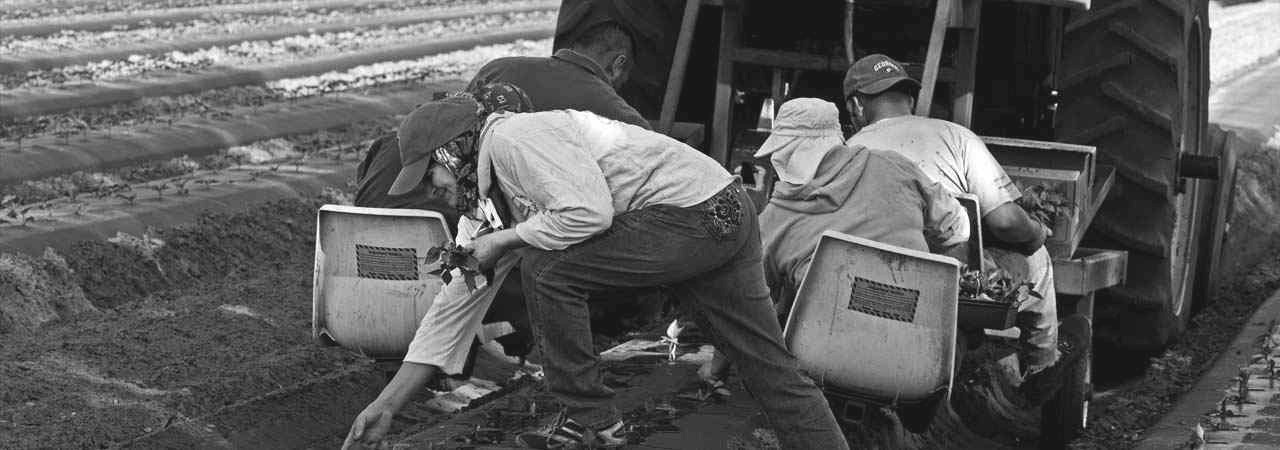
(1121, 413)
(217, 317)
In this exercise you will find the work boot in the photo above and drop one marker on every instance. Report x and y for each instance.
(1074, 337)
(567, 434)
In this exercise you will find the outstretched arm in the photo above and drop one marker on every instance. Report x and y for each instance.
(370, 427)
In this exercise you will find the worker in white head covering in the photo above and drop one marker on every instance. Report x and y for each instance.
(803, 132)
(826, 185)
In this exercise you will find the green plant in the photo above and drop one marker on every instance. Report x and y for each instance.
(128, 198)
(452, 256)
(19, 217)
(1044, 204)
(997, 285)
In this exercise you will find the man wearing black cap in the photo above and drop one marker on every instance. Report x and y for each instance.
(881, 97)
(583, 76)
(600, 205)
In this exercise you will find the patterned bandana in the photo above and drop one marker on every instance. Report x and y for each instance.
(460, 154)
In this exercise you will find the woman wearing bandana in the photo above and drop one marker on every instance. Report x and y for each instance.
(600, 205)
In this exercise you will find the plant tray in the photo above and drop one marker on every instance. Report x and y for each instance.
(986, 314)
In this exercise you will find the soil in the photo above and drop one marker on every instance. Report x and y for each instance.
(1119, 415)
(204, 341)
(112, 274)
(217, 317)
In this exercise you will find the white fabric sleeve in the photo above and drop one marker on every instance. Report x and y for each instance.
(983, 174)
(444, 335)
(573, 201)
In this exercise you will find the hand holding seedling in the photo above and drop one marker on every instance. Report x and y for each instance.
(452, 256)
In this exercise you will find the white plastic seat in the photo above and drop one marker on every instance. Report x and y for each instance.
(876, 322)
(371, 285)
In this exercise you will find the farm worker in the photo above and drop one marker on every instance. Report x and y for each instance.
(379, 168)
(376, 174)
(880, 97)
(824, 185)
(603, 205)
(582, 76)
(443, 344)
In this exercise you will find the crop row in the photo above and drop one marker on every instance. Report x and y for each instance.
(174, 175)
(16, 10)
(225, 25)
(53, 17)
(248, 53)
(225, 102)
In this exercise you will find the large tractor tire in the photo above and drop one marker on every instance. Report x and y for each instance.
(1134, 82)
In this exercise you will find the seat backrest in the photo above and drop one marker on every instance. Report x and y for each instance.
(876, 320)
(371, 284)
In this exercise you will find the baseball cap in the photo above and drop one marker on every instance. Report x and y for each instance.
(874, 74)
(427, 128)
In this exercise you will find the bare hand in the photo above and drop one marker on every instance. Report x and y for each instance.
(490, 247)
(370, 427)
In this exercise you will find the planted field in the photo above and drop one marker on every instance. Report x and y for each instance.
(121, 112)
(69, 48)
(122, 123)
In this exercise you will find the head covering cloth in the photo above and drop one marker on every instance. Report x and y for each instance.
(805, 130)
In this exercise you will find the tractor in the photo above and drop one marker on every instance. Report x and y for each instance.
(1102, 102)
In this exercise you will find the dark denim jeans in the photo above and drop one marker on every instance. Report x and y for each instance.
(712, 264)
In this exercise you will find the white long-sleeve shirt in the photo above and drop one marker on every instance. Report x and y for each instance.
(568, 173)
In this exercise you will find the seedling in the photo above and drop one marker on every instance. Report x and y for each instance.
(181, 187)
(1044, 204)
(130, 198)
(159, 188)
(19, 217)
(452, 256)
(1271, 373)
(994, 285)
(1242, 395)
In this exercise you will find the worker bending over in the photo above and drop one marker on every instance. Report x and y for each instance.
(582, 76)
(880, 97)
(602, 205)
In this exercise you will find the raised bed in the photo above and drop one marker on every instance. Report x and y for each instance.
(51, 60)
(28, 102)
(378, 77)
(107, 20)
(49, 156)
(66, 222)
(258, 53)
(231, 191)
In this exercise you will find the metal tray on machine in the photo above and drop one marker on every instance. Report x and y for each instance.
(1071, 167)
